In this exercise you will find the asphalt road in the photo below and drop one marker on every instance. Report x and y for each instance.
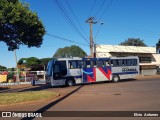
(142, 94)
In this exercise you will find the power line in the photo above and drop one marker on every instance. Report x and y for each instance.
(70, 19)
(100, 8)
(65, 39)
(110, 3)
(76, 17)
(92, 9)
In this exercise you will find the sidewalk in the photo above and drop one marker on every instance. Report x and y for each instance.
(42, 85)
(148, 77)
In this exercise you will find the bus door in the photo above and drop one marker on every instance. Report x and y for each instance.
(59, 71)
(89, 70)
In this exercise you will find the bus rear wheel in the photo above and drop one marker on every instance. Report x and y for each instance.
(70, 82)
(115, 78)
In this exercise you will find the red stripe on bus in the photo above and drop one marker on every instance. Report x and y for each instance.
(107, 75)
(90, 79)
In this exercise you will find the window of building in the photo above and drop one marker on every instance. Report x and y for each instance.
(145, 59)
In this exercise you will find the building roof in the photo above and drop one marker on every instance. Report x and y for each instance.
(126, 49)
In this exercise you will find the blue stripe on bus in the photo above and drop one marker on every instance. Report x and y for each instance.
(122, 73)
(87, 72)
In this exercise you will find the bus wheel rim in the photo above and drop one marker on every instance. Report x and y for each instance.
(70, 83)
(116, 78)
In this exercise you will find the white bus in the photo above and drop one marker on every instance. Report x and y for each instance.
(72, 71)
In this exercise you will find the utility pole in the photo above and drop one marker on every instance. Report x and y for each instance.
(17, 75)
(91, 21)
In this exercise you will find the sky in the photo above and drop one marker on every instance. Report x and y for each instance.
(122, 19)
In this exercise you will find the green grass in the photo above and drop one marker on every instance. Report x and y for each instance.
(12, 98)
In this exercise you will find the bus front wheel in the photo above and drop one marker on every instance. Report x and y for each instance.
(115, 78)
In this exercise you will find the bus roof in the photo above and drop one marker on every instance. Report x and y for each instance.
(94, 59)
(74, 58)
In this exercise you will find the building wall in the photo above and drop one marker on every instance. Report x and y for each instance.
(147, 67)
(124, 49)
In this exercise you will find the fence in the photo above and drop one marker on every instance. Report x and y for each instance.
(24, 76)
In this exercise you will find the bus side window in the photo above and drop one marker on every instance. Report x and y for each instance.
(100, 63)
(111, 63)
(134, 62)
(124, 63)
(56, 68)
(80, 63)
(129, 62)
(114, 62)
(120, 62)
(72, 64)
(86, 64)
(107, 63)
(93, 63)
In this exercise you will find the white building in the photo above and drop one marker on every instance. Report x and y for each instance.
(149, 59)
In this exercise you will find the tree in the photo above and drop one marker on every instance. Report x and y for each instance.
(19, 25)
(158, 45)
(29, 62)
(2, 68)
(44, 61)
(33, 63)
(133, 42)
(72, 51)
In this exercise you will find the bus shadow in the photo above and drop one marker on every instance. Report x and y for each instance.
(36, 88)
(103, 82)
(23, 89)
(45, 108)
(94, 83)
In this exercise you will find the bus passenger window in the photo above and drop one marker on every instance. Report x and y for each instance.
(100, 63)
(134, 62)
(86, 64)
(124, 62)
(56, 68)
(129, 62)
(115, 63)
(93, 63)
(80, 63)
(107, 63)
(72, 64)
(120, 63)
